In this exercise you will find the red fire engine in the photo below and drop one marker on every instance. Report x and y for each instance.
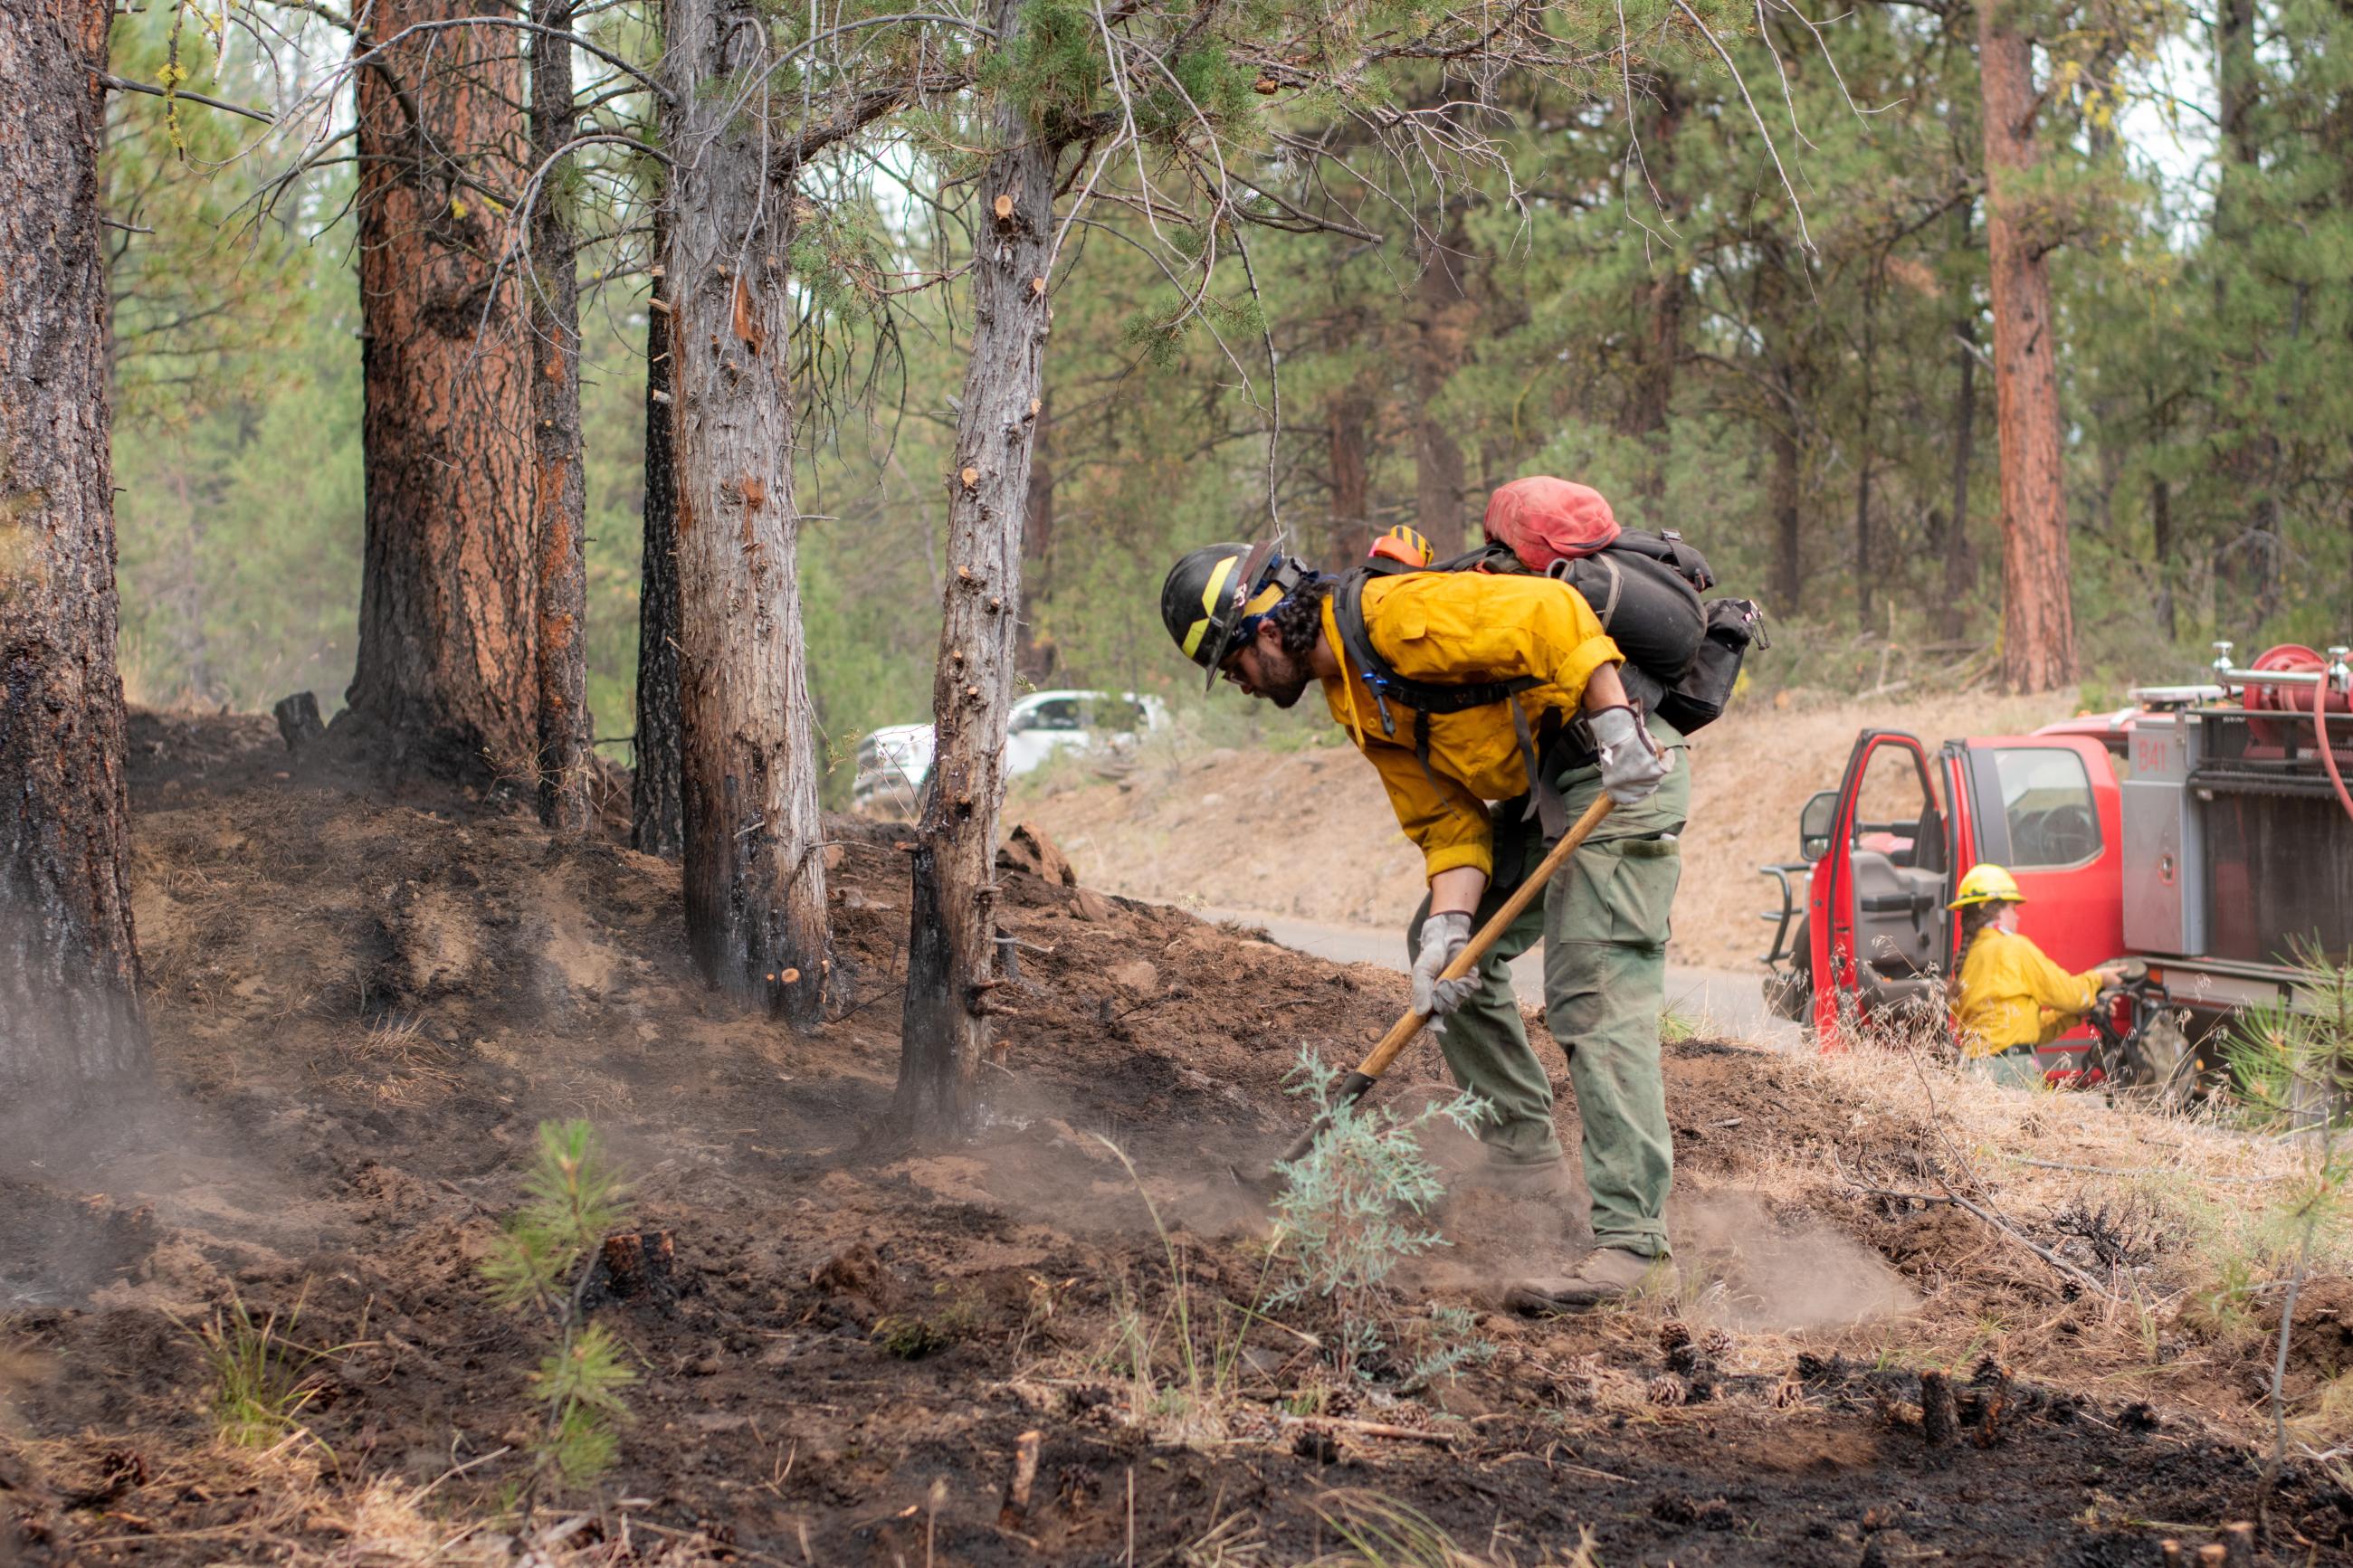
(2206, 830)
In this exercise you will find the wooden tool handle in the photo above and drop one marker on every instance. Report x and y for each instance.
(1355, 1087)
(1488, 935)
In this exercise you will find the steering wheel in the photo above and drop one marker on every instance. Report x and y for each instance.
(2069, 833)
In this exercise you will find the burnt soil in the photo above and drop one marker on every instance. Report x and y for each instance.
(362, 1006)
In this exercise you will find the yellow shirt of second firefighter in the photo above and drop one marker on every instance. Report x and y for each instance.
(1456, 629)
(2011, 994)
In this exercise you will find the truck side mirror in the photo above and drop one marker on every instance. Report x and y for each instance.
(1814, 825)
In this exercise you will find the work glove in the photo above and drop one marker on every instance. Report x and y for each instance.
(1632, 764)
(1442, 938)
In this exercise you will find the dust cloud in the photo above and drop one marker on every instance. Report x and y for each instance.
(1744, 1265)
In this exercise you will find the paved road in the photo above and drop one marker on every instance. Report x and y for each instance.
(1715, 1001)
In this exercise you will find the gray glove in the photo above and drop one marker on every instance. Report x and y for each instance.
(1442, 937)
(1632, 764)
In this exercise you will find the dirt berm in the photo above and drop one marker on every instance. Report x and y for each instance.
(362, 1007)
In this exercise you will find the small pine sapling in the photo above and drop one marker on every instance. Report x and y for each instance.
(2293, 1063)
(543, 1263)
(1351, 1206)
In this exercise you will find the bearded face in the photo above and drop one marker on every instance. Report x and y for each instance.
(1262, 668)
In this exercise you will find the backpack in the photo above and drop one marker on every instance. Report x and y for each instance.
(1682, 656)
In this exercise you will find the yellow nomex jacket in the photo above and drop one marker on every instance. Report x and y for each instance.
(2013, 995)
(1457, 628)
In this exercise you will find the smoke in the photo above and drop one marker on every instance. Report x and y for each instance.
(1743, 1266)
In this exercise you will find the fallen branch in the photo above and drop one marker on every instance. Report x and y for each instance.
(1949, 1197)
(1935, 1120)
(2127, 1169)
(2079, 1274)
(1370, 1429)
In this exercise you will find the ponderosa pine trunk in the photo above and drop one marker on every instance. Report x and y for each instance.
(1659, 301)
(1033, 656)
(560, 500)
(1864, 570)
(2038, 624)
(71, 1031)
(654, 812)
(754, 872)
(951, 946)
(1444, 316)
(1784, 487)
(1959, 565)
(2251, 455)
(1347, 442)
(1789, 382)
(2160, 524)
(445, 676)
(1959, 574)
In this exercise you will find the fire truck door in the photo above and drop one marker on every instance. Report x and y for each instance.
(1876, 900)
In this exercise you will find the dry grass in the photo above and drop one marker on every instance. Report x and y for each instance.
(1380, 1532)
(287, 1505)
(2178, 1223)
(393, 1063)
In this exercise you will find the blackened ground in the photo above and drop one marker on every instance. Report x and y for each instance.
(364, 1008)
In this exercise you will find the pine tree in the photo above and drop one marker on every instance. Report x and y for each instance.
(559, 488)
(444, 669)
(71, 1029)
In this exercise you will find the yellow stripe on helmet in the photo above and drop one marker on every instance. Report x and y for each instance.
(1210, 596)
(1211, 593)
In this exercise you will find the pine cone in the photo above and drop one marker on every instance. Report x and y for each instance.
(1666, 1389)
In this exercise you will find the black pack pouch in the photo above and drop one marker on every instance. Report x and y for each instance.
(1669, 549)
(1699, 695)
(1647, 608)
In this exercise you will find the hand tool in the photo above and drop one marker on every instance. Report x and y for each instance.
(1369, 1072)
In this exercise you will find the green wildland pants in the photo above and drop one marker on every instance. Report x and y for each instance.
(1604, 922)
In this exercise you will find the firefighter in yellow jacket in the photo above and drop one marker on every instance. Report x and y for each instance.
(2008, 997)
(1461, 782)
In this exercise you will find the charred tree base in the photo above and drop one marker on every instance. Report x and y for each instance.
(942, 1040)
(72, 1048)
(400, 750)
(747, 971)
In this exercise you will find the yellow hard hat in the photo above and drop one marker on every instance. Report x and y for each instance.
(1986, 884)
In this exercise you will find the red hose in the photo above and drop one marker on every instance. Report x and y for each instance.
(2320, 733)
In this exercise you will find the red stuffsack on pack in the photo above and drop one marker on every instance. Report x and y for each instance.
(1543, 519)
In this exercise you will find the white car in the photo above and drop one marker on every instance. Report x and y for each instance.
(894, 761)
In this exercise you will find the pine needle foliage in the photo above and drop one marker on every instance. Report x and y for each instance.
(1351, 1206)
(2293, 1064)
(543, 1263)
(1054, 68)
(1204, 92)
